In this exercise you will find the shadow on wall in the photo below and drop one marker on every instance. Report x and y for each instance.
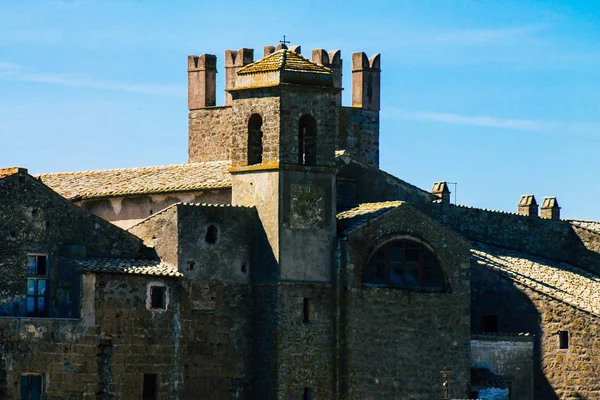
(498, 306)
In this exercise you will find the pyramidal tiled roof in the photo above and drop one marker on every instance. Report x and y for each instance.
(143, 180)
(284, 60)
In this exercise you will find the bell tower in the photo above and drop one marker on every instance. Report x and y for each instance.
(285, 122)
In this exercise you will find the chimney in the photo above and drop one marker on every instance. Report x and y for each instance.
(234, 60)
(550, 208)
(202, 81)
(440, 189)
(528, 206)
(366, 74)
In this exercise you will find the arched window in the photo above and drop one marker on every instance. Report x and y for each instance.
(255, 137)
(211, 235)
(405, 264)
(307, 140)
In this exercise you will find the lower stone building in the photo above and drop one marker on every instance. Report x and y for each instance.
(280, 262)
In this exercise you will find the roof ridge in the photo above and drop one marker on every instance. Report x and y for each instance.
(154, 215)
(149, 167)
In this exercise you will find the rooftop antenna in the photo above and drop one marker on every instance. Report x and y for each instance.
(455, 185)
(284, 42)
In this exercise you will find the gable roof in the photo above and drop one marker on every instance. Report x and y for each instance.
(126, 266)
(142, 180)
(561, 281)
(284, 60)
(356, 217)
(5, 172)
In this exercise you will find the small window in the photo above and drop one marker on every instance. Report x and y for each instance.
(306, 310)
(158, 297)
(32, 387)
(150, 387)
(211, 234)
(191, 265)
(563, 339)
(489, 323)
(255, 140)
(307, 140)
(346, 190)
(37, 280)
(308, 394)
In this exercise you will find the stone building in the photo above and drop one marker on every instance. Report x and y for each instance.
(280, 262)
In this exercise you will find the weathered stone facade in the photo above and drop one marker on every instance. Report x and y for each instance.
(311, 274)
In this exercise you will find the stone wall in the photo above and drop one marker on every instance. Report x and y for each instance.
(374, 185)
(508, 356)
(397, 342)
(545, 238)
(359, 135)
(209, 134)
(125, 212)
(37, 220)
(558, 373)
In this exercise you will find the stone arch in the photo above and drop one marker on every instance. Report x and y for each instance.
(255, 139)
(307, 140)
(405, 263)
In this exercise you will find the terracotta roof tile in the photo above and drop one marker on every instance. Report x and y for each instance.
(284, 60)
(127, 266)
(358, 216)
(561, 281)
(4, 172)
(143, 180)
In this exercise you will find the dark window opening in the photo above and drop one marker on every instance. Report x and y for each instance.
(211, 234)
(32, 387)
(347, 190)
(307, 140)
(306, 310)
(158, 296)
(37, 280)
(255, 140)
(489, 323)
(150, 387)
(563, 339)
(244, 267)
(405, 264)
(190, 265)
(308, 394)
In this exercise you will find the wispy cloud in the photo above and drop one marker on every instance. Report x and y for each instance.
(486, 121)
(14, 72)
(485, 36)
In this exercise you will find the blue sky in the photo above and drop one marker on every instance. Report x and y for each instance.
(502, 97)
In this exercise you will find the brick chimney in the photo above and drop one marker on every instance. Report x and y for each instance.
(528, 206)
(440, 189)
(550, 208)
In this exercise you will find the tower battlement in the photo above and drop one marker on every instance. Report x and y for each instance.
(210, 136)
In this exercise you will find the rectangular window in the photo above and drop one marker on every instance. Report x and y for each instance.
(308, 394)
(32, 387)
(489, 323)
(158, 296)
(37, 279)
(150, 387)
(306, 310)
(563, 339)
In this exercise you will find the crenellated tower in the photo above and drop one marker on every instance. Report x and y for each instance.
(211, 137)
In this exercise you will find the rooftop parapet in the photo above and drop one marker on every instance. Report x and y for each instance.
(366, 77)
(528, 206)
(202, 85)
(550, 208)
(234, 60)
(333, 61)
